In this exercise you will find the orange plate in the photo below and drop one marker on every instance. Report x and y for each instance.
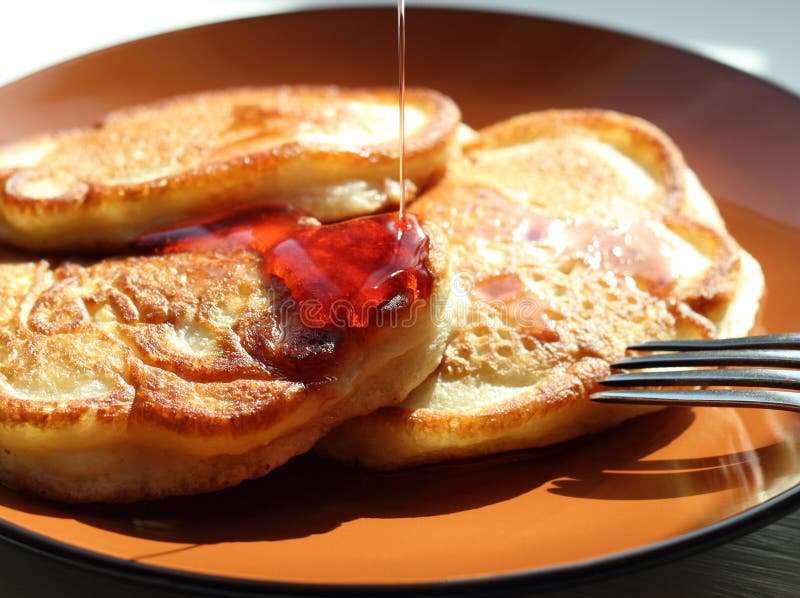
(650, 487)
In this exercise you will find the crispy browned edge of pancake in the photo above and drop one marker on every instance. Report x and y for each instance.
(176, 473)
(573, 386)
(163, 407)
(652, 148)
(435, 135)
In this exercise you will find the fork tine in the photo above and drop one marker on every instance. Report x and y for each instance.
(733, 377)
(778, 399)
(764, 357)
(787, 340)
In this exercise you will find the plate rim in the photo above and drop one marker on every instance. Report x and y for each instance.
(570, 574)
(539, 578)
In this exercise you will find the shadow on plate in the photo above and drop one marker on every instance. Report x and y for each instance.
(673, 478)
(312, 496)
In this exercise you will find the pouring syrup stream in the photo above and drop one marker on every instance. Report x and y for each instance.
(401, 67)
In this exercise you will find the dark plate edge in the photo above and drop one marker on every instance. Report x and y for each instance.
(507, 583)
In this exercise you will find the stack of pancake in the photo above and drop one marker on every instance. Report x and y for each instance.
(554, 240)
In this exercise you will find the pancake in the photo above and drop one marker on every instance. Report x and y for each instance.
(573, 234)
(192, 364)
(331, 152)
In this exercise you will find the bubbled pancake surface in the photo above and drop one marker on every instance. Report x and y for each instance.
(330, 151)
(573, 234)
(154, 375)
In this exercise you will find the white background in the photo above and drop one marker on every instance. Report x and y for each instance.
(756, 36)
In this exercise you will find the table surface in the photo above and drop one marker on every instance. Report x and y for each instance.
(758, 37)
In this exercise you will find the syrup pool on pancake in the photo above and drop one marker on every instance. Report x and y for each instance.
(384, 267)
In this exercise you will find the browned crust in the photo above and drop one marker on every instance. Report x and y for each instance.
(718, 283)
(650, 147)
(445, 118)
(137, 473)
(218, 181)
(557, 391)
(149, 434)
(557, 408)
(55, 415)
(637, 138)
(554, 411)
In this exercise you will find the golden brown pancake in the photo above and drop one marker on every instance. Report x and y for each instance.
(329, 151)
(573, 234)
(191, 367)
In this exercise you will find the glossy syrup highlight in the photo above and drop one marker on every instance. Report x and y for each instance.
(337, 275)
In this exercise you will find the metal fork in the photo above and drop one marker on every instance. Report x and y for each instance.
(768, 352)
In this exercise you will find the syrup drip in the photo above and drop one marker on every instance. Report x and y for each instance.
(401, 67)
(338, 275)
